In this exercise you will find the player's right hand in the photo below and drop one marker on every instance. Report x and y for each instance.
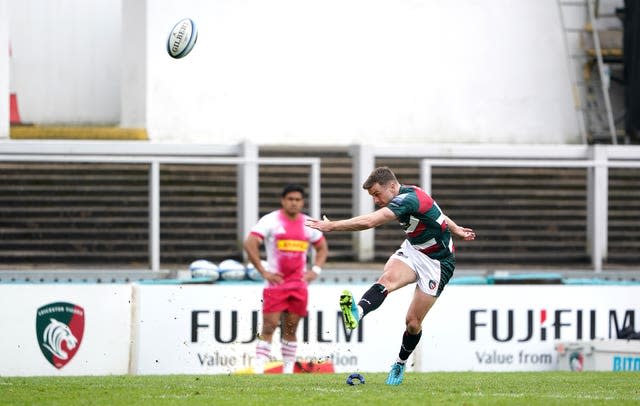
(274, 278)
(318, 224)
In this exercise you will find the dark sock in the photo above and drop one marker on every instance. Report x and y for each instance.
(409, 343)
(373, 298)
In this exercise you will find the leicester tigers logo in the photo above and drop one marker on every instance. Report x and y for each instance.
(59, 329)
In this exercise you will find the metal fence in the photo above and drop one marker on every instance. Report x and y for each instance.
(598, 162)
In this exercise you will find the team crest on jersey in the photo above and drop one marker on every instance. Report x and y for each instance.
(432, 284)
(59, 329)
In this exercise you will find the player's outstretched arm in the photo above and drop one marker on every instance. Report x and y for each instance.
(358, 223)
(464, 233)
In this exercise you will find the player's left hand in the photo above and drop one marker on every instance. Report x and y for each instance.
(465, 233)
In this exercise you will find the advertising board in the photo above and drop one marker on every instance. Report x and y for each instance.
(65, 329)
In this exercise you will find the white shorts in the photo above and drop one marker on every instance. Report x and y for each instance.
(428, 270)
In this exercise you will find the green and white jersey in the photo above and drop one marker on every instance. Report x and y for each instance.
(423, 222)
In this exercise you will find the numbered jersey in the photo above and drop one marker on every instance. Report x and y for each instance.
(286, 243)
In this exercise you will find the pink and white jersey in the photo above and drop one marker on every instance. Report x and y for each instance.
(286, 243)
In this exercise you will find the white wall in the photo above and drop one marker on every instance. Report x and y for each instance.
(360, 71)
(133, 85)
(307, 72)
(66, 60)
(4, 70)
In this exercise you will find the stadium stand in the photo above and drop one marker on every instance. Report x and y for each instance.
(96, 214)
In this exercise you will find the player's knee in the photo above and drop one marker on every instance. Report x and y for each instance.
(289, 333)
(383, 280)
(413, 325)
(268, 329)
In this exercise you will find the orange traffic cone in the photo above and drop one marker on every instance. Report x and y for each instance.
(14, 113)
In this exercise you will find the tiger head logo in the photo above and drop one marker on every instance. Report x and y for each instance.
(55, 334)
(59, 329)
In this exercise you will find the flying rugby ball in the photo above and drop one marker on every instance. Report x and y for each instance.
(182, 38)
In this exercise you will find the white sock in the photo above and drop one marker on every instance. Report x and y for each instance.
(289, 349)
(263, 350)
(360, 311)
(400, 361)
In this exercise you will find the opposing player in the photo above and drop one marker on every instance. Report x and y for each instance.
(425, 257)
(286, 241)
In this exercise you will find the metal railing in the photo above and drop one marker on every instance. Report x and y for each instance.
(597, 159)
(156, 154)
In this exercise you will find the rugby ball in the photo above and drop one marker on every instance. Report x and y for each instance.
(182, 38)
(231, 270)
(252, 272)
(202, 268)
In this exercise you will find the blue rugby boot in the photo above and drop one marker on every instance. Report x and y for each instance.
(349, 310)
(396, 375)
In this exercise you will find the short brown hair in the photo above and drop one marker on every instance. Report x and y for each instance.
(381, 175)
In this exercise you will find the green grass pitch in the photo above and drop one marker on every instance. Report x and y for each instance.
(451, 388)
